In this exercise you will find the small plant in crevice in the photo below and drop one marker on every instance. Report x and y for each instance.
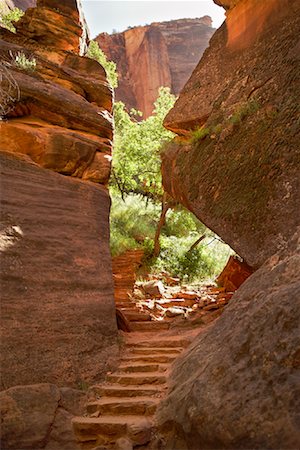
(23, 62)
(199, 134)
(244, 111)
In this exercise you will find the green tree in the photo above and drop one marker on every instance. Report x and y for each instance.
(8, 17)
(95, 52)
(136, 157)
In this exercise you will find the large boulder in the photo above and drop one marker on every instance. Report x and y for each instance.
(57, 306)
(239, 172)
(237, 386)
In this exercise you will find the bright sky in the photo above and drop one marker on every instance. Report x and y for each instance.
(117, 15)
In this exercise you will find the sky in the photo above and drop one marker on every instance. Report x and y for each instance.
(117, 15)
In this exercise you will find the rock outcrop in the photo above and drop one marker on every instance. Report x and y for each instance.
(236, 167)
(239, 172)
(57, 305)
(39, 417)
(160, 54)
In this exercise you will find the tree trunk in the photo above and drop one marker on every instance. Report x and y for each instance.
(165, 206)
(196, 243)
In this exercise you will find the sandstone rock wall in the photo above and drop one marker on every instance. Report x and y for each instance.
(239, 173)
(57, 305)
(160, 54)
(237, 386)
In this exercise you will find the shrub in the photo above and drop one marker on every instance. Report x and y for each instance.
(7, 18)
(95, 52)
(21, 61)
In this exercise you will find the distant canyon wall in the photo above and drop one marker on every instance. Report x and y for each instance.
(151, 56)
(57, 300)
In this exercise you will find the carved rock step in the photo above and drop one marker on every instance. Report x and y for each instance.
(149, 326)
(107, 429)
(161, 343)
(136, 316)
(117, 406)
(150, 358)
(175, 302)
(116, 390)
(137, 379)
(141, 367)
(173, 351)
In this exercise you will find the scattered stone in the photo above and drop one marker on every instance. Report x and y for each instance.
(154, 288)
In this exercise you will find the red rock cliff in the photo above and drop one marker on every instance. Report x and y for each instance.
(160, 54)
(57, 306)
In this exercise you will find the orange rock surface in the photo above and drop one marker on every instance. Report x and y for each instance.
(160, 54)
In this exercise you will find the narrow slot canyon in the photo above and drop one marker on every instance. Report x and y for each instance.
(149, 232)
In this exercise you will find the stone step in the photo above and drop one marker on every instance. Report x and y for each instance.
(117, 406)
(150, 358)
(140, 367)
(149, 326)
(137, 379)
(175, 302)
(107, 429)
(161, 343)
(125, 304)
(116, 390)
(173, 351)
(135, 316)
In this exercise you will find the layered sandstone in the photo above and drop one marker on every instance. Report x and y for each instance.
(57, 305)
(160, 54)
(236, 386)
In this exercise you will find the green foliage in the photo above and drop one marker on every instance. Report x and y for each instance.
(199, 134)
(95, 52)
(7, 18)
(133, 225)
(136, 158)
(21, 61)
(204, 262)
(132, 222)
(244, 111)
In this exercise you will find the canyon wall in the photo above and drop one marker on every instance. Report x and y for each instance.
(236, 165)
(57, 305)
(151, 56)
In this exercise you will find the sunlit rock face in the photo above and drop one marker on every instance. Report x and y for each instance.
(57, 306)
(237, 386)
(160, 54)
(240, 177)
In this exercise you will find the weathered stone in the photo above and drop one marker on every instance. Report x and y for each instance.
(234, 274)
(39, 416)
(237, 386)
(167, 53)
(57, 307)
(153, 288)
(124, 272)
(241, 176)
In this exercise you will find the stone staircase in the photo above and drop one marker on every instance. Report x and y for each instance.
(120, 414)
